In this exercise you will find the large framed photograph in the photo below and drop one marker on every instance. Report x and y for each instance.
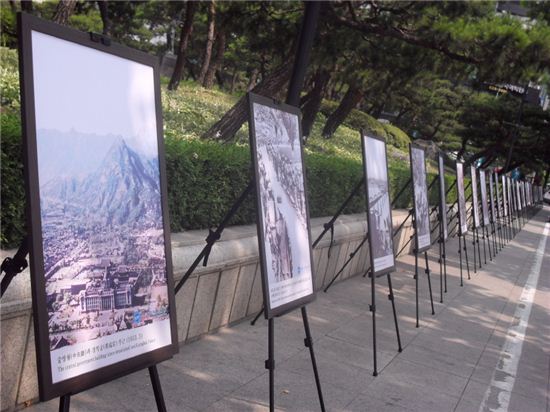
(499, 202)
(283, 218)
(492, 201)
(484, 203)
(511, 194)
(442, 197)
(102, 284)
(462, 221)
(379, 216)
(505, 195)
(475, 199)
(420, 198)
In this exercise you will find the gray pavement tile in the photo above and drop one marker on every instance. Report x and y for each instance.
(409, 395)
(293, 392)
(229, 404)
(370, 403)
(426, 376)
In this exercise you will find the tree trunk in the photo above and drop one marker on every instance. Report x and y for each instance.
(26, 5)
(313, 103)
(401, 114)
(253, 79)
(231, 122)
(104, 11)
(218, 60)
(209, 41)
(352, 97)
(63, 11)
(186, 31)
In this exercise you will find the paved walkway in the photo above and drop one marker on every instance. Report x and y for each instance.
(486, 348)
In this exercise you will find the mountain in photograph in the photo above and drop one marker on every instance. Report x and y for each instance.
(123, 189)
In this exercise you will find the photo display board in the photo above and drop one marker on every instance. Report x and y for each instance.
(283, 217)
(505, 194)
(378, 204)
(420, 196)
(475, 200)
(499, 202)
(463, 222)
(102, 282)
(519, 205)
(492, 196)
(442, 197)
(484, 203)
(510, 189)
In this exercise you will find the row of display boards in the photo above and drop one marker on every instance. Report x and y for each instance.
(102, 282)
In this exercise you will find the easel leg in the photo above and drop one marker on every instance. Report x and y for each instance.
(65, 403)
(270, 363)
(478, 248)
(308, 341)
(157, 389)
(474, 246)
(482, 241)
(440, 271)
(416, 285)
(372, 308)
(460, 258)
(427, 271)
(253, 322)
(466, 256)
(445, 265)
(392, 298)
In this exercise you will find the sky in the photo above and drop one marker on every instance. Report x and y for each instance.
(89, 91)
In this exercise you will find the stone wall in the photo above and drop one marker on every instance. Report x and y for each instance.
(227, 291)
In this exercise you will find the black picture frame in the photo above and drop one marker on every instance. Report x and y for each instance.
(475, 199)
(442, 197)
(271, 310)
(462, 219)
(422, 233)
(370, 211)
(484, 203)
(27, 25)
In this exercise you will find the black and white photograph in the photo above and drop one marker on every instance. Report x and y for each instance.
(505, 195)
(492, 202)
(101, 229)
(475, 199)
(378, 204)
(484, 203)
(461, 198)
(498, 202)
(284, 230)
(519, 203)
(442, 197)
(420, 191)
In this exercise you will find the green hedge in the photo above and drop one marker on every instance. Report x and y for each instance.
(204, 179)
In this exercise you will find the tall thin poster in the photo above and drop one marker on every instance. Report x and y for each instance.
(484, 203)
(442, 197)
(475, 200)
(492, 196)
(505, 195)
(378, 205)
(283, 217)
(462, 221)
(420, 193)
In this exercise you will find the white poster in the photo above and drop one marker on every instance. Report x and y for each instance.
(519, 205)
(379, 208)
(421, 206)
(505, 194)
(100, 207)
(492, 176)
(475, 200)
(442, 197)
(461, 198)
(484, 203)
(285, 232)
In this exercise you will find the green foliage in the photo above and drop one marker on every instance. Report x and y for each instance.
(396, 137)
(12, 182)
(9, 80)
